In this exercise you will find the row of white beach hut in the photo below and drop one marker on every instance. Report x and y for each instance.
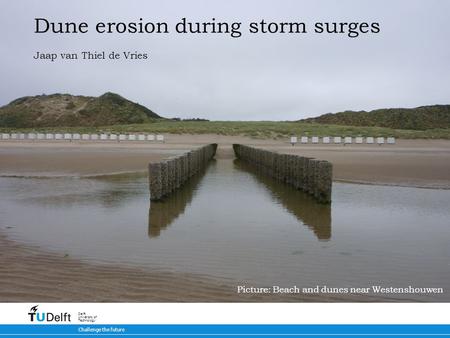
(82, 137)
(342, 140)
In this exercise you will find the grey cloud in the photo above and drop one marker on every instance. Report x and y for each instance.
(277, 77)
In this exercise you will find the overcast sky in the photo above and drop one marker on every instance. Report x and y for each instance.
(254, 77)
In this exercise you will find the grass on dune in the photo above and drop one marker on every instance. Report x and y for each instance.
(254, 129)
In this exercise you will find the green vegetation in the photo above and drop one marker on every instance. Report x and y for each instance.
(420, 118)
(260, 129)
(111, 113)
(59, 110)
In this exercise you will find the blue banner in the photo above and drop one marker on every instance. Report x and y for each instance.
(227, 330)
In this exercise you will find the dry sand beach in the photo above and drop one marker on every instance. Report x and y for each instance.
(418, 163)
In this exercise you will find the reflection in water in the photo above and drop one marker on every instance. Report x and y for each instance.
(234, 224)
(314, 215)
(121, 188)
(162, 213)
(108, 191)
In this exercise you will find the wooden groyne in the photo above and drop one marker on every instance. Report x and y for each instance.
(169, 175)
(311, 175)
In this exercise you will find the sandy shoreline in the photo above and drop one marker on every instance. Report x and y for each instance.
(416, 163)
(410, 163)
(64, 279)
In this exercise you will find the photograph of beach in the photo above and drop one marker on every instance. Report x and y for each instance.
(258, 152)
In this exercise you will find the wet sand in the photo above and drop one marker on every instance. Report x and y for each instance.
(62, 279)
(30, 274)
(402, 167)
(423, 163)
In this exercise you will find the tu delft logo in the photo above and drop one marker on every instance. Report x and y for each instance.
(48, 317)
